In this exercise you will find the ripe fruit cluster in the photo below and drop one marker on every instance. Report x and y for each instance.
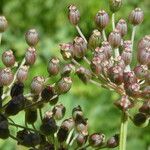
(100, 60)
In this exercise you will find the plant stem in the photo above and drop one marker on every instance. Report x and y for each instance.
(104, 35)
(80, 33)
(133, 36)
(20, 126)
(116, 52)
(40, 112)
(123, 131)
(113, 21)
(0, 38)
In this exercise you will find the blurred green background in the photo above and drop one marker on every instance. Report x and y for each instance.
(49, 17)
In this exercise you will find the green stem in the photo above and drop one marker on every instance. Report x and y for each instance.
(133, 36)
(113, 21)
(80, 33)
(104, 35)
(123, 131)
(0, 38)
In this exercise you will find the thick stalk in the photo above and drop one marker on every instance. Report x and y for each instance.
(123, 131)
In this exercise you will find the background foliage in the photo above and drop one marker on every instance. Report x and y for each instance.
(49, 17)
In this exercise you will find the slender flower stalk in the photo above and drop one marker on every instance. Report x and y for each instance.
(104, 35)
(133, 36)
(113, 21)
(80, 33)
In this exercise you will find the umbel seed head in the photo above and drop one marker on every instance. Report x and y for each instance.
(66, 50)
(22, 74)
(73, 15)
(37, 85)
(80, 47)
(122, 27)
(95, 39)
(6, 76)
(3, 24)
(115, 5)
(32, 37)
(101, 19)
(115, 38)
(30, 56)
(8, 58)
(136, 16)
(96, 139)
(63, 85)
(53, 66)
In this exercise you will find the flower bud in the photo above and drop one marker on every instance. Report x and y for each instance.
(129, 77)
(68, 124)
(80, 47)
(127, 44)
(136, 16)
(77, 113)
(28, 139)
(141, 120)
(101, 19)
(6, 76)
(81, 139)
(30, 56)
(48, 126)
(22, 74)
(99, 52)
(96, 65)
(145, 108)
(17, 89)
(63, 85)
(143, 56)
(59, 111)
(141, 71)
(8, 58)
(95, 39)
(53, 66)
(124, 103)
(113, 141)
(133, 89)
(84, 74)
(73, 15)
(116, 74)
(115, 38)
(115, 5)
(47, 93)
(120, 62)
(4, 131)
(32, 37)
(67, 70)
(144, 42)
(107, 49)
(127, 56)
(122, 27)
(3, 24)
(31, 116)
(66, 50)
(37, 85)
(15, 105)
(82, 126)
(62, 134)
(96, 139)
